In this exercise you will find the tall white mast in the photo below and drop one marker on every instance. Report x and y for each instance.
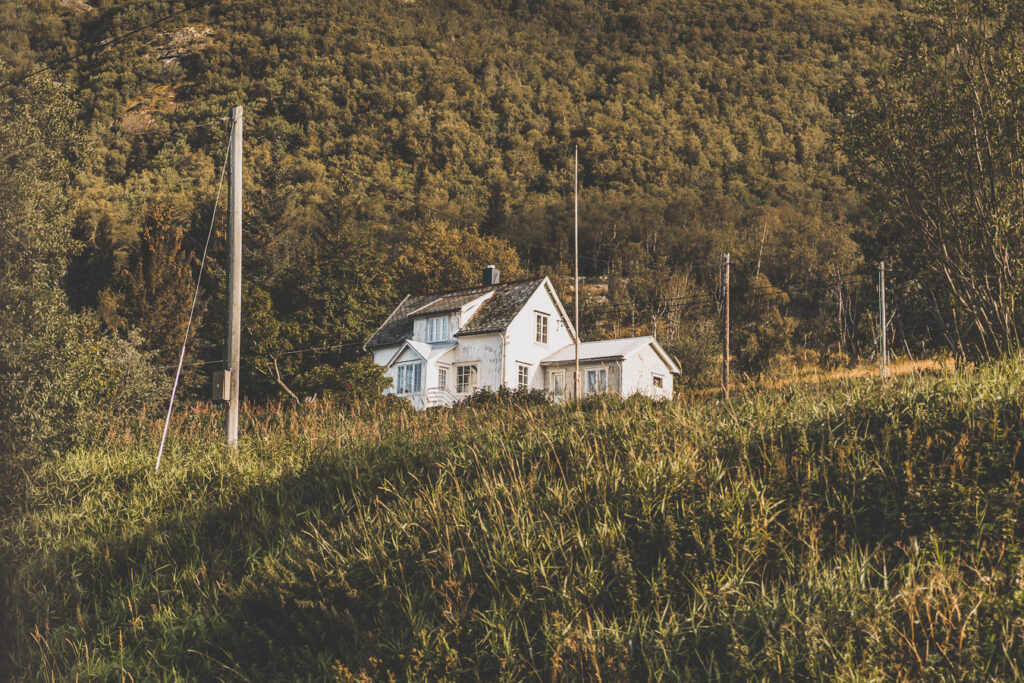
(576, 289)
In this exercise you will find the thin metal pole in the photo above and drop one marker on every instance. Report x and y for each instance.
(725, 326)
(234, 340)
(576, 290)
(883, 338)
(760, 250)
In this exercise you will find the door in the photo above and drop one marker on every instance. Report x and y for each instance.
(556, 383)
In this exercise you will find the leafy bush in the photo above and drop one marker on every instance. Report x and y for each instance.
(504, 396)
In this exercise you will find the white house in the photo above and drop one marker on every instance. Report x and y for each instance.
(440, 348)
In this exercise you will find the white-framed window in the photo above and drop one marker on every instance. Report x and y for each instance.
(542, 328)
(410, 378)
(465, 378)
(523, 378)
(659, 382)
(597, 381)
(442, 378)
(437, 329)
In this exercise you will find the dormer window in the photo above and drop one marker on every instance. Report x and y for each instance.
(437, 329)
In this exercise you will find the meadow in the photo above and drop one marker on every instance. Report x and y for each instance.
(850, 530)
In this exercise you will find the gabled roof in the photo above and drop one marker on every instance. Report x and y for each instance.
(494, 315)
(422, 349)
(609, 349)
(447, 304)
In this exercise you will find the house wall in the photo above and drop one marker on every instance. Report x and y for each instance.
(483, 350)
(408, 355)
(381, 356)
(638, 372)
(614, 369)
(521, 337)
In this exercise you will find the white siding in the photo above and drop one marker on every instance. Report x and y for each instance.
(522, 338)
(638, 374)
(613, 368)
(483, 350)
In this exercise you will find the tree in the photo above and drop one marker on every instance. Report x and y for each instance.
(435, 257)
(36, 140)
(936, 149)
(55, 367)
(763, 331)
(157, 286)
(329, 301)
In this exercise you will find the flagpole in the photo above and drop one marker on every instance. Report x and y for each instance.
(576, 290)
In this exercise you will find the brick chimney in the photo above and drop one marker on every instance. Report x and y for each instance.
(491, 276)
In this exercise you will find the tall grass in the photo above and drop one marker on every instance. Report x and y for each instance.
(854, 531)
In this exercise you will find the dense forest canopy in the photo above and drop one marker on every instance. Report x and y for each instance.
(702, 126)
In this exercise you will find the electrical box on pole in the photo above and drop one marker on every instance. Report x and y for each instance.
(221, 386)
(233, 343)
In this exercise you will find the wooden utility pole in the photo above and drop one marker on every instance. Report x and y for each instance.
(883, 338)
(233, 345)
(576, 292)
(725, 326)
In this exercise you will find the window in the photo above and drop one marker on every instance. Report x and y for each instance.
(597, 381)
(410, 378)
(465, 378)
(442, 378)
(658, 382)
(557, 382)
(437, 329)
(524, 377)
(542, 328)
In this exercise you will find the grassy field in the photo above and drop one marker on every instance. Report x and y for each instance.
(852, 530)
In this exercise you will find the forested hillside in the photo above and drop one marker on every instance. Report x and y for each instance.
(703, 126)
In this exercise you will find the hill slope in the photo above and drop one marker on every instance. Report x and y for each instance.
(872, 531)
(695, 120)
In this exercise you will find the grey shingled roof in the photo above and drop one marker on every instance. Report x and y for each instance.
(494, 315)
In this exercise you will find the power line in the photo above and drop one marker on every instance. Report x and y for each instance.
(266, 355)
(175, 129)
(89, 51)
(674, 303)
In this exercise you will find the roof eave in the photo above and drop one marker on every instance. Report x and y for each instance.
(569, 361)
(474, 333)
(367, 346)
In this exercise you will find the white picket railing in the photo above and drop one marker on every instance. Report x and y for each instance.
(439, 397)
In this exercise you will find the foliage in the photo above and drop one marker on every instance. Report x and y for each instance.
(697, 350)
(763, 330)
(437, 257)
(698, 123)
(57, 371)
(39, 336)
(857, 531)
(307, 316)
(157, 286)
(935, 147)
(504, 396)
